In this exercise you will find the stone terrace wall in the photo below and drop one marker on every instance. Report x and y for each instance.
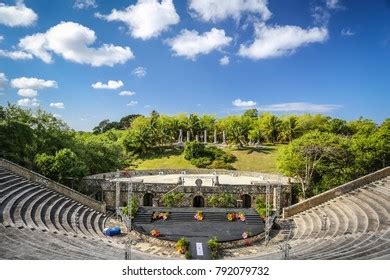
(333, 193)
(133, 173)
(37, 178)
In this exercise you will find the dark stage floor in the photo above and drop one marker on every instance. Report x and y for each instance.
(172, 229)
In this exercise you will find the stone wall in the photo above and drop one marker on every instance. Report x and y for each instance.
(35, 177)
(158, 190)
(333, 193)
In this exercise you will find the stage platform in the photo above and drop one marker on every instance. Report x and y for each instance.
(182, 223)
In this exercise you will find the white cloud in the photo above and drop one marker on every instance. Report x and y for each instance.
(27, 102)
(147, 18)
(299, 107)
(239, 103)
(217, 10)
(18, 15)
(15, 55)
(57, 105)
(32, 83)
(224, 60)
(139, 72)
(347, 32)
(27, 92)
(84, 4)
(132, 103)
(1, 38)
(3, 81)
(274, 41)
(190, 44)
(72, 41)
(110, 85)
(332, 4)
(127, 93)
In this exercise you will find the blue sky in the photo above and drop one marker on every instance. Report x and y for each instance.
(205, 56)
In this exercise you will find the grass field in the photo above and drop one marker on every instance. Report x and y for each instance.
(249, 159)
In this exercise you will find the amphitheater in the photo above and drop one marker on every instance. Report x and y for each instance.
(41, 219)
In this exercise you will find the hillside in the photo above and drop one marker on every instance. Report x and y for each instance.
(248, 159)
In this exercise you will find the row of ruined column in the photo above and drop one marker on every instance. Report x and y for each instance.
(180, 140)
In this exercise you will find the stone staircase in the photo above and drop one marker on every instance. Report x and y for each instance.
(45, 224)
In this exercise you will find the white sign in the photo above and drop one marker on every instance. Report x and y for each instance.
(199, 249)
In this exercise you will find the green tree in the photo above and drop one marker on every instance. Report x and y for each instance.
(64, 164)
(140, 137)
(303, 157)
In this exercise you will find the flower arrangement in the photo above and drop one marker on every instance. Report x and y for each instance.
(241, 216)
(235, 216)
(182, 245)
(199, 216)
(245, 236)
(160, 216)
(155, 233)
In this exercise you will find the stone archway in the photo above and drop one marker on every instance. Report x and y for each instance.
(246, 201)
(198, 201)
(148, 199)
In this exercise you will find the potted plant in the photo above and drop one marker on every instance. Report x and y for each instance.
(214, 247)
(245, 236)
(241, 216)
(155, 233)
(199, 216)
(182, 245)
(230, 217)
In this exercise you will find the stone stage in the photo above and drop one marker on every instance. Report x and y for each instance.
(181, 223)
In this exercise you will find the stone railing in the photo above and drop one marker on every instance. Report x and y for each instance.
(333, 193)
(38, 178)
(198, 171)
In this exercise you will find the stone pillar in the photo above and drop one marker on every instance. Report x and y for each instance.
(239, 203)
(205, 136)
(117, 195)
(224, 138)
(180, 136)
(188, 136)
(155, 202)
(216, 180)
(197, 138)
(215, 136)
(274, 201)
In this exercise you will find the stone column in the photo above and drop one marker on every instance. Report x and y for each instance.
(274, 201)
(239, 203)
(216, 180)
(188, 136)
(205, 136)
(215, 136)
(224, 138)
(180, 136)
(197, 138)
(117, 196)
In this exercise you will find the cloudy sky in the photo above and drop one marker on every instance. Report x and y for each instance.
(87, 60)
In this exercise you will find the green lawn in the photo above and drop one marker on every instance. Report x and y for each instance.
(258, 160)
(250, 159)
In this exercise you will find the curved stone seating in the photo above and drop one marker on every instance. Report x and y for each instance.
(39, 223)
(358, 226)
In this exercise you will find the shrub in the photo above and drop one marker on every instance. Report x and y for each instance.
(182, 245)
(188, 255)
(134, 205)
(203, 156)
(202, 162)
(222, 200)
(214, 247)
(173, 199)
(261, 207)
